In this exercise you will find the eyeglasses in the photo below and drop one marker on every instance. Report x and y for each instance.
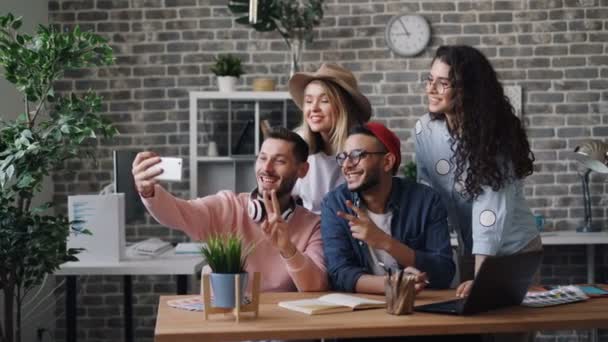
(354, 156)
(440, 84)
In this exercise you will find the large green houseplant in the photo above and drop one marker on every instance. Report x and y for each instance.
(50, 130)
(293, 20)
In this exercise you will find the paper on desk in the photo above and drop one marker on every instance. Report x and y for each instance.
(193, 303)
(188, 248)
(560, 295)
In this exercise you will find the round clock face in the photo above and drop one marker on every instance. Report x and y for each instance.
(407, 35)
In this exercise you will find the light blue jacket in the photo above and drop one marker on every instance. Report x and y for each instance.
(496, 222)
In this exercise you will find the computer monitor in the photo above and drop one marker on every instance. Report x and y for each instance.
(124, 183)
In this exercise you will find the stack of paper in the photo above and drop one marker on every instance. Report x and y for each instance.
(193, 248)
(153, 246)
(560, 295)
(194, 303)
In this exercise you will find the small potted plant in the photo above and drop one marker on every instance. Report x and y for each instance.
(228, 69)
(227, 256)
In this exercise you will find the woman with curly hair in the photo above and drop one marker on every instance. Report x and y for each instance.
(473, 150)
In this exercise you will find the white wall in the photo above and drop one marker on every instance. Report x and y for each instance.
(34, 12)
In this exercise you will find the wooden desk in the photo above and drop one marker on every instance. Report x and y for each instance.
(175, 325)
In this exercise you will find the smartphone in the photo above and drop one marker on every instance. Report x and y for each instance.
(172, 169)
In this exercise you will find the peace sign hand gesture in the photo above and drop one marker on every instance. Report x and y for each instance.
(274, 226)
(364, 229)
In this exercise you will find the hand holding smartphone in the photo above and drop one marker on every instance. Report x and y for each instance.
(172, 169)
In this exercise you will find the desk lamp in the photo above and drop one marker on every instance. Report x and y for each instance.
(593, 155)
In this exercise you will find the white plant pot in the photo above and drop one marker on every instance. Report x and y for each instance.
(226, 83)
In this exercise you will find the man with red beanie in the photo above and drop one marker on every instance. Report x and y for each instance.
(377, 221)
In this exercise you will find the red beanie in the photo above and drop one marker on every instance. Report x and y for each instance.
(389, 140)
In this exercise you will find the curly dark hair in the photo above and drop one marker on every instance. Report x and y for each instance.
(490, 141)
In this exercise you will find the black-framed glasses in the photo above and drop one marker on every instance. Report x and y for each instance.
(440, 84)
(354, 156)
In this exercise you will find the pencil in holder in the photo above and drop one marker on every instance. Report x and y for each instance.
(400, 292)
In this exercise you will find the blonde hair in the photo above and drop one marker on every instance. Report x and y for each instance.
(343, 119)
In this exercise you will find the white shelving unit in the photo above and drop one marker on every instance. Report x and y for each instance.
(231, 172)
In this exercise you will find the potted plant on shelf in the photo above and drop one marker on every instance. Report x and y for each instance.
(228, 69)
(226, 255)
(293, 20)
(50, 130)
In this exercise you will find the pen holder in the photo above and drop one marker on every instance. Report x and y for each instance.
(400, 292)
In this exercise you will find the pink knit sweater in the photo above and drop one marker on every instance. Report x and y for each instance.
(227, 211)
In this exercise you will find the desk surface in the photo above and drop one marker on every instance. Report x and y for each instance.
(167, 263)
(574, 238)
(177, 325)
(565, 238)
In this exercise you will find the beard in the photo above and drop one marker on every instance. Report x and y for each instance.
(371, 180)
(286, 186)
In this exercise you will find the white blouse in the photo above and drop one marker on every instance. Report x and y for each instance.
(323, 176)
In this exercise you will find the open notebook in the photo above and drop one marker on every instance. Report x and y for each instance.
(331, 303)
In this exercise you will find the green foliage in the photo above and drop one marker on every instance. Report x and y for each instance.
(49, 132)
(288, 17)
(227, 65)
(409, 170)
(226, 253)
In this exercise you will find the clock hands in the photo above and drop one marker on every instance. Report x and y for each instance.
(407, 33)
(410, 36)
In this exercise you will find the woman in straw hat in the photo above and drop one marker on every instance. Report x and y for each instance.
(473, 150)
(331, 103)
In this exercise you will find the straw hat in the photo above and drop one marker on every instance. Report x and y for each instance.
(338, 75)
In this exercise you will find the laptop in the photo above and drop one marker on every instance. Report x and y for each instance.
(501, 281)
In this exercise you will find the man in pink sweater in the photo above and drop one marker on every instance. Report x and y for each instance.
(288, 246)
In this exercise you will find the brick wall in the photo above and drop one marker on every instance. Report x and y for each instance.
(555, 49)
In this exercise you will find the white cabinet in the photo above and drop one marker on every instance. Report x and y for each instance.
(228, 171)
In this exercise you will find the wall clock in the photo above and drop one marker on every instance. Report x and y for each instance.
(407, 34)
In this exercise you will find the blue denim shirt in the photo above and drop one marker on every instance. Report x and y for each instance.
(419, 221)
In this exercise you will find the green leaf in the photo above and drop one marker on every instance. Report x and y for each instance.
(16, 24)
(225, 253)
(25, 182)
(10, 171)
(27, 134)
(19, 154)
(227, 65)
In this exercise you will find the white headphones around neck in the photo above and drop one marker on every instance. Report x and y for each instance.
(257, 210)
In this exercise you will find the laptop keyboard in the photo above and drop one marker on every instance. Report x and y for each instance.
(453, 305)
(450, 306)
